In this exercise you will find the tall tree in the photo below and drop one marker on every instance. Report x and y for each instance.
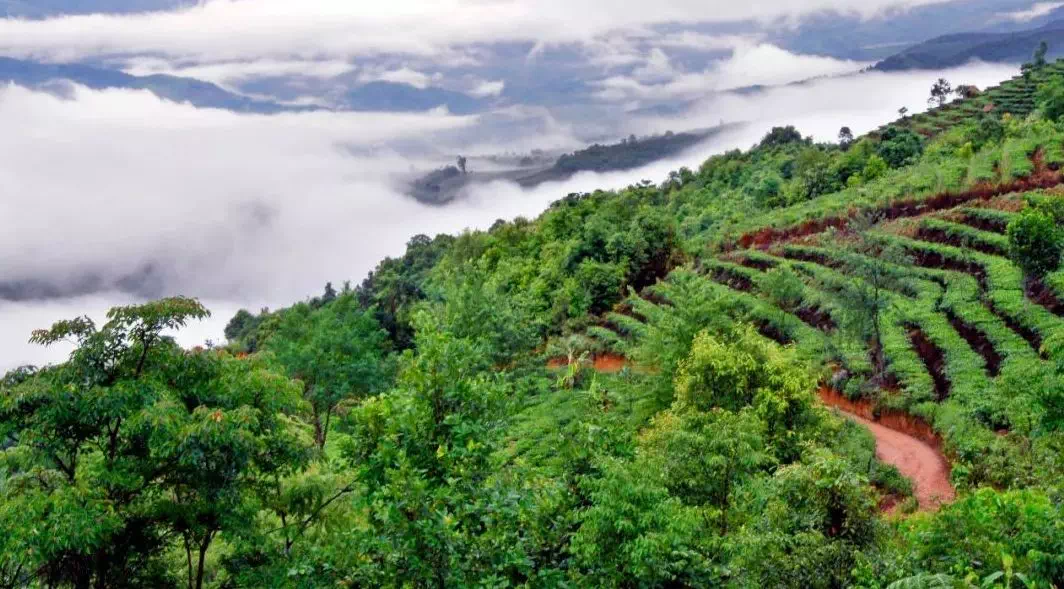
(135, 447)
(338, 352)
(940, 92)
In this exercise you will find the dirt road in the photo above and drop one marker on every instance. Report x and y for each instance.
(916, 460)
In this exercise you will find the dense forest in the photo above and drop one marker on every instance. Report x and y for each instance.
(634, 389)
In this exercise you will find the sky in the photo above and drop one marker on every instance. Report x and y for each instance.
(246, 210)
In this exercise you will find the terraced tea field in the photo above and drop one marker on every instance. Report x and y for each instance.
(954, 316)
(1014, 97)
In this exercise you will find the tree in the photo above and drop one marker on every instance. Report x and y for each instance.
(940, 92)
(899, 147)
(780, 136)
(1035, 242)
(329, 295)
(462, 161)
(967, 91)
(134, 447)
(1040, 54)
(874, 168)
(784, 287)
(732, 371)
(1050, 99)
(702, 457)
(845, 137)
(869, 295)
(420, 454)
(337, 352)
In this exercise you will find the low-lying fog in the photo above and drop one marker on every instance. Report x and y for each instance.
(253, 211)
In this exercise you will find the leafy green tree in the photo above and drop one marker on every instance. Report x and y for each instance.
(1036, 243)
(338, 352)
(420, 455)
(784, 287)
(780, 136)
(1050, 99)
(868, 297)
(134, 447)
(875, 168)
(845, 137)
(703, 457)
(899, 147)
(1040, 54)
(634, 533)
(818, 521)
(744, 369)
(940, 92)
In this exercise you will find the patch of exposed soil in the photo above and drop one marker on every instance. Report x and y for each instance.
(773, 333)
(983, 223)
(906, 442)
(731, 279)
(1029, 335)
(1038, 292)
(978, 341)
(605, 363)
(609, 363)
(933, 359)
(935, 260)
(817, 318)
(940, 236)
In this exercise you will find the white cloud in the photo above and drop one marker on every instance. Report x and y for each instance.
(228, 73)
(228, 30)
(821, 107)
(401, 76)
(702, 41)
(1039, 10)
(749, 65)
(485, 88)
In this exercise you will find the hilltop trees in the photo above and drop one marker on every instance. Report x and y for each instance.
(845, 137)
(336, 351)
(780, 136)
(940, 92)
(135, 447)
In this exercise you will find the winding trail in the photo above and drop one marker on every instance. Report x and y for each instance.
(901, 442)
(907, 443)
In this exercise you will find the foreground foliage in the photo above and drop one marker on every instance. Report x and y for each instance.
(409, 433)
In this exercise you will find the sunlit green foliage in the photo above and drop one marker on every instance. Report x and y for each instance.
(619, 393)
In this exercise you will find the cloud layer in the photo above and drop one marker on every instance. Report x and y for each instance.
(221, 30)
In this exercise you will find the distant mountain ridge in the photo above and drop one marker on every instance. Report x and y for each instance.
(958, 49)
(196, 92)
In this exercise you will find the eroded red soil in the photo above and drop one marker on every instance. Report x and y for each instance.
(907, 443)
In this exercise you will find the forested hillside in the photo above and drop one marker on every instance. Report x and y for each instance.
(635, 389)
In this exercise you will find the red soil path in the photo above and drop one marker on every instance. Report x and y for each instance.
(601, 363)
(907, 443)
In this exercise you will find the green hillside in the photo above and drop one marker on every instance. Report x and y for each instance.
(623, 392)
(1014, 97)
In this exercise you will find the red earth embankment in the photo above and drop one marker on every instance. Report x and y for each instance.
(603, 363)
(907, 443)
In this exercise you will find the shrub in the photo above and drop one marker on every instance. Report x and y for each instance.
(899, 147)
(1035, 242)
(1050, 99)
